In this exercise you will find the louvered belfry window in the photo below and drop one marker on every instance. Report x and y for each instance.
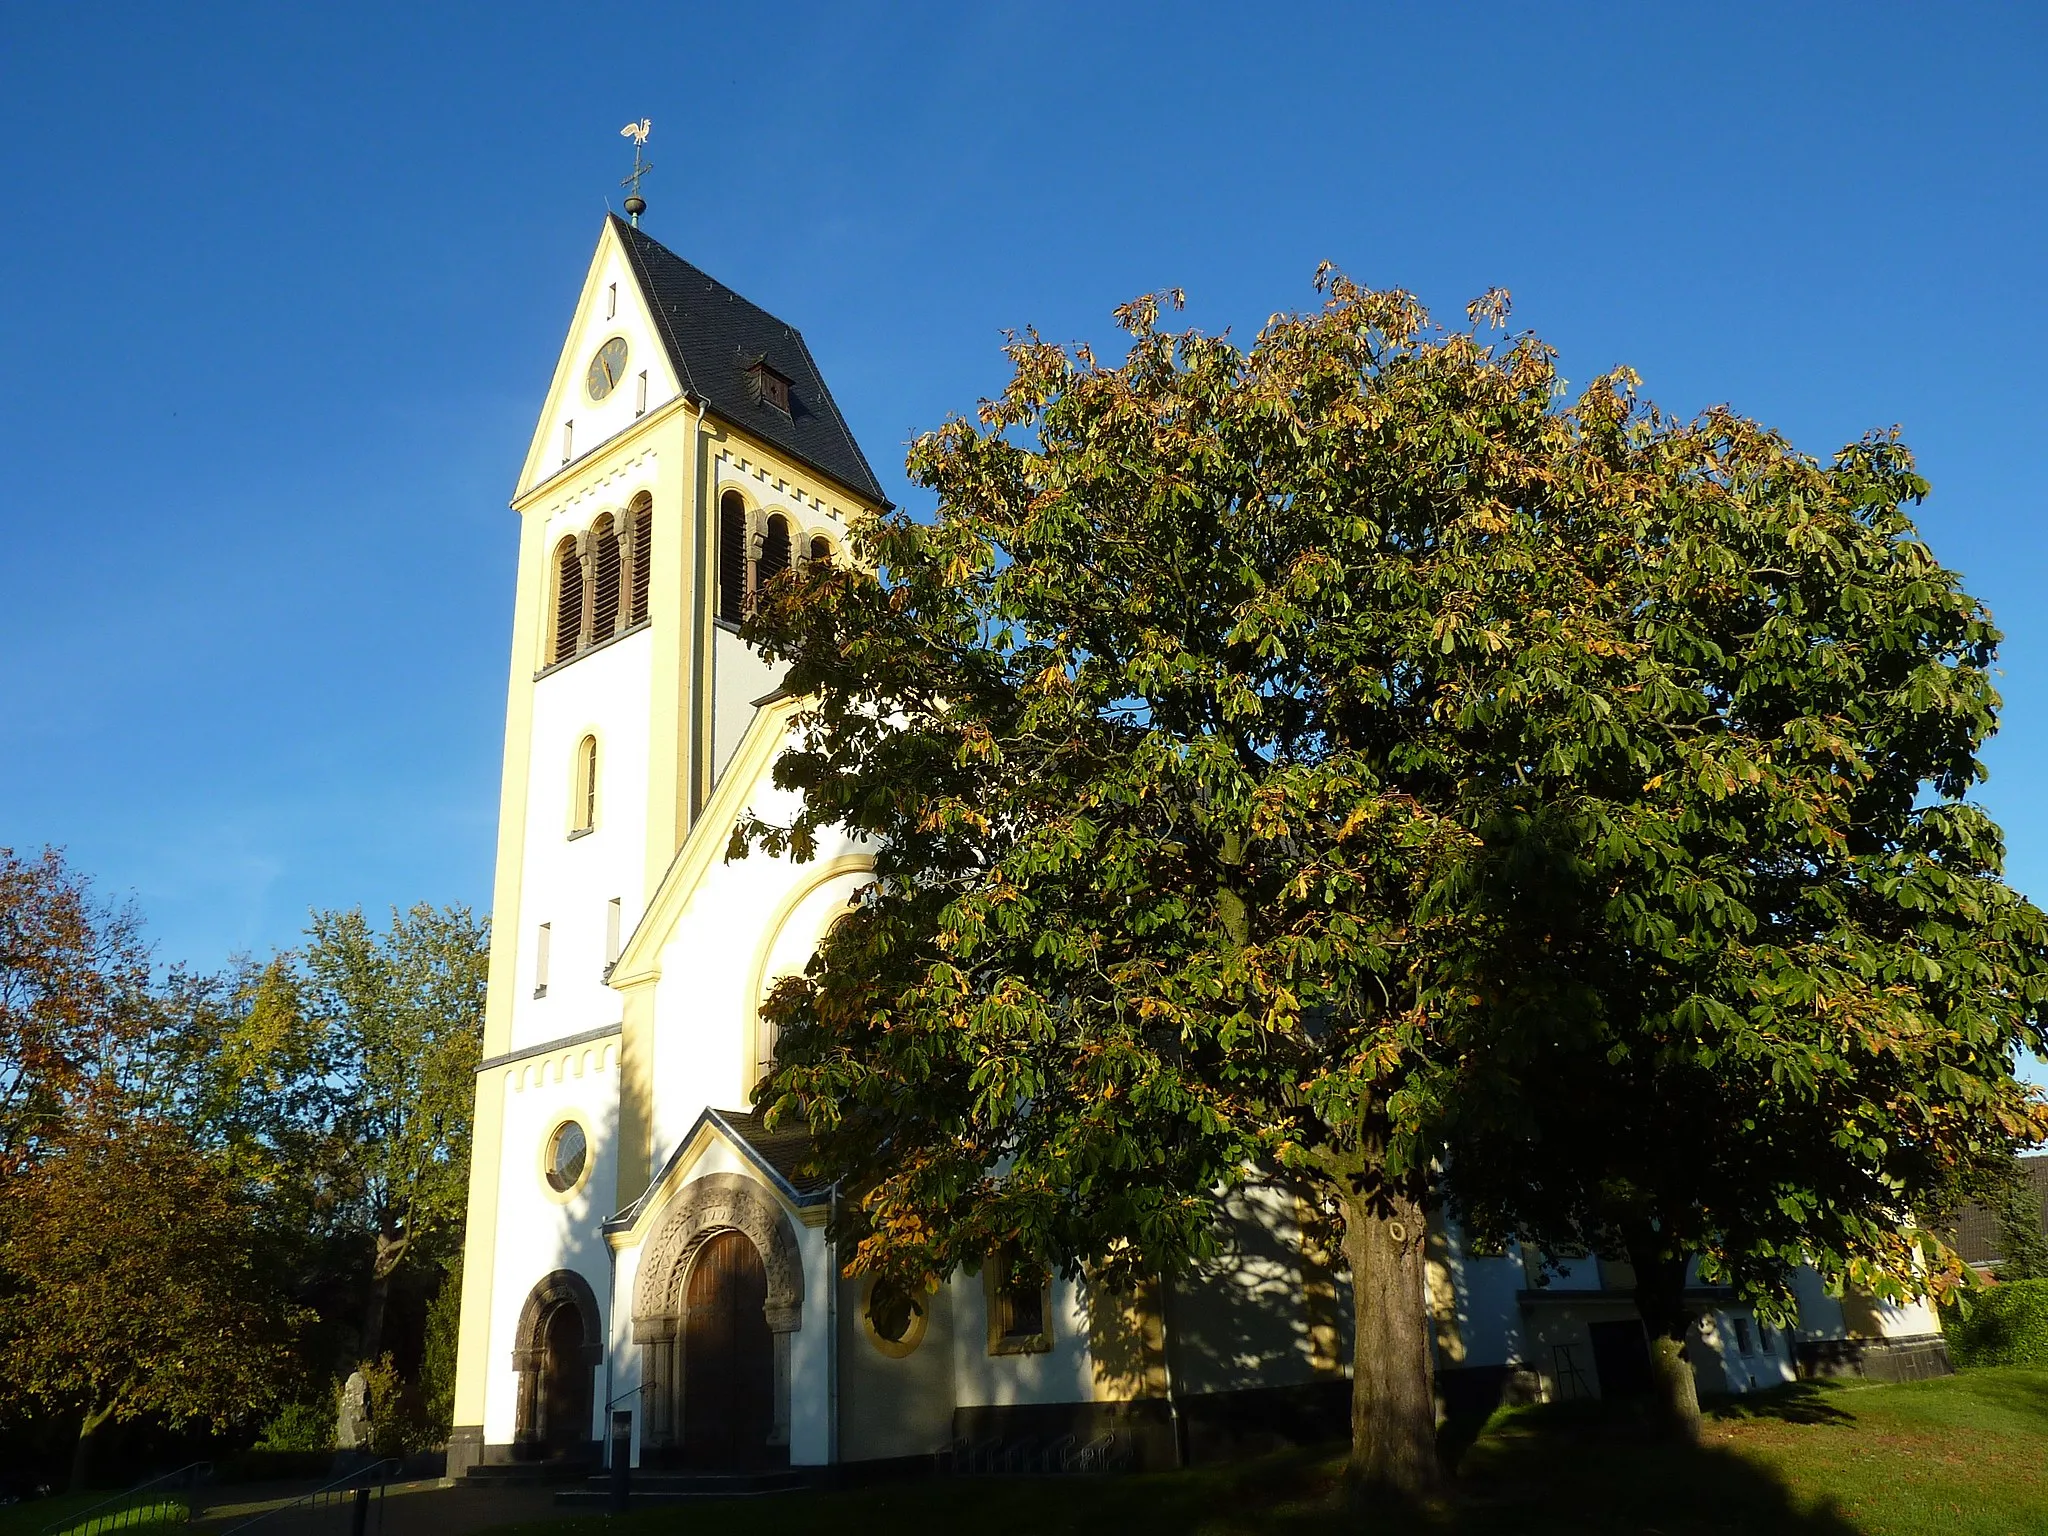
(604, 617)
(568, 600)
(821, 550)
(643, 558)
(774, 553)
(732, 557)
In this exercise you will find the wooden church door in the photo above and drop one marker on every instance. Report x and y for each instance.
(728, 1357)
(565, 1385)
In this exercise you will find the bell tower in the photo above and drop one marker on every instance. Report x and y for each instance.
(686, 448)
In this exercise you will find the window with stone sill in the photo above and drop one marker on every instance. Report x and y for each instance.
(1019, 1304)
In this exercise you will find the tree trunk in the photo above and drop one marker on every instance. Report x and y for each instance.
(1660, 1299)
(81, 1453)
(389, 1251)
(1393, 1400)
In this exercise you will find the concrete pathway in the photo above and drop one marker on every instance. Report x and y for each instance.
(430, 1508)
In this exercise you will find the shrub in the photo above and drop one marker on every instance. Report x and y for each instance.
(398, 1426)
(437, 1369)
(301, 1427)
(2004, 1325)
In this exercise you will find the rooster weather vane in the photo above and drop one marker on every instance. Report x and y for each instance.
(635, 203)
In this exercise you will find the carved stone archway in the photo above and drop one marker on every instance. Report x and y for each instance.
(718, 1202)
(564, 1290)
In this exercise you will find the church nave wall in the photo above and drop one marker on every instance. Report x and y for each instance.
(543, 1229)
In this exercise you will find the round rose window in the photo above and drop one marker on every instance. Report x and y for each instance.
(567, 1153)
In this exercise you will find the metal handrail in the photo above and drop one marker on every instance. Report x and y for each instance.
(104, 1517)
(357, 1483)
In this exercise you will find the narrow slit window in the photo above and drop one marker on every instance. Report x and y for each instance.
(732, 557)
(542, 942)
(611, 933)
(568, 441)
(611, 303)
(568, 601)
(604, 615)
(583, 811)
(640, 400)
(643, 558)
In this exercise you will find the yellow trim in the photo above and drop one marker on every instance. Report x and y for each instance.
(583, 794)
(994, 1280)
(636, 1093)
(547, 1142)
(640, 960)
(920, 1319)
(565, 385)
(479, 1250)
(680, 1174)
(820, 875)
(625, 442)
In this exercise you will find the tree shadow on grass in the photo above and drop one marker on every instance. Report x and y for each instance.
(1801, 1402)
(1595, 1467)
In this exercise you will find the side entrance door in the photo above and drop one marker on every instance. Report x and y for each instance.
(565, 1386)
(1621, 1358)
(728, 1357)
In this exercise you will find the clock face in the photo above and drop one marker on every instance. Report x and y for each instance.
(607, 368)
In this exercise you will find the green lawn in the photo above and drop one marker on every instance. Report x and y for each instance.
(1963, 1456)
(34, 1516)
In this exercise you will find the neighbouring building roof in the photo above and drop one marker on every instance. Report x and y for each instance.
(1977, 1235)
(714, 337)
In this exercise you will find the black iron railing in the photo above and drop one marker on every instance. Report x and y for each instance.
(358, 1495)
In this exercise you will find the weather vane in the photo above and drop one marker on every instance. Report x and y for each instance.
(635, 203)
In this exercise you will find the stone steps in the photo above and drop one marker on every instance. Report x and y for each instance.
(651, 1488)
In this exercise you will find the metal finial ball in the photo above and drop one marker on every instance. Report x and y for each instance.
(636, 206)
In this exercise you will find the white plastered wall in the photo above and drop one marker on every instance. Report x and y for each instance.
(1243, 1321)
(710, 969)
(1063, 1374)
(569, 882)
(538, 1231)
(596, 422)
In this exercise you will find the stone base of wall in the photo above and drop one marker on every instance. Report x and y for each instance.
(465, 1448)
(1020, 1430)
(1908, 1359)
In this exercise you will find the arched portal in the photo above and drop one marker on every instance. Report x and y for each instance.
(559, 1348)
(728, 1357)
(719, 1208)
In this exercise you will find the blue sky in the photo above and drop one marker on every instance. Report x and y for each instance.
(282, 290)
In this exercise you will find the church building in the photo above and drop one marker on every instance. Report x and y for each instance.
(638, 1242)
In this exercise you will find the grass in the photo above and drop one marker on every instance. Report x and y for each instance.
(32, 1517)
(1966, 1455)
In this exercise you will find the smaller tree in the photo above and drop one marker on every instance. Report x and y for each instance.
(402, 1014)
(74, 988)
(137, 1286)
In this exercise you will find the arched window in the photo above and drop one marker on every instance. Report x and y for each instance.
(568, 601)
(732, 557)
(604, 606)
(643, 557)
(583, 802)
(821, 550)
(774, 553)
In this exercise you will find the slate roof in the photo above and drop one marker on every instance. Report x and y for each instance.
(713, 336)
(785, 1150)
(780, 1155)
(1977, 1234)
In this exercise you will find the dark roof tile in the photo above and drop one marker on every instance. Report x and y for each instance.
(713, 335)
